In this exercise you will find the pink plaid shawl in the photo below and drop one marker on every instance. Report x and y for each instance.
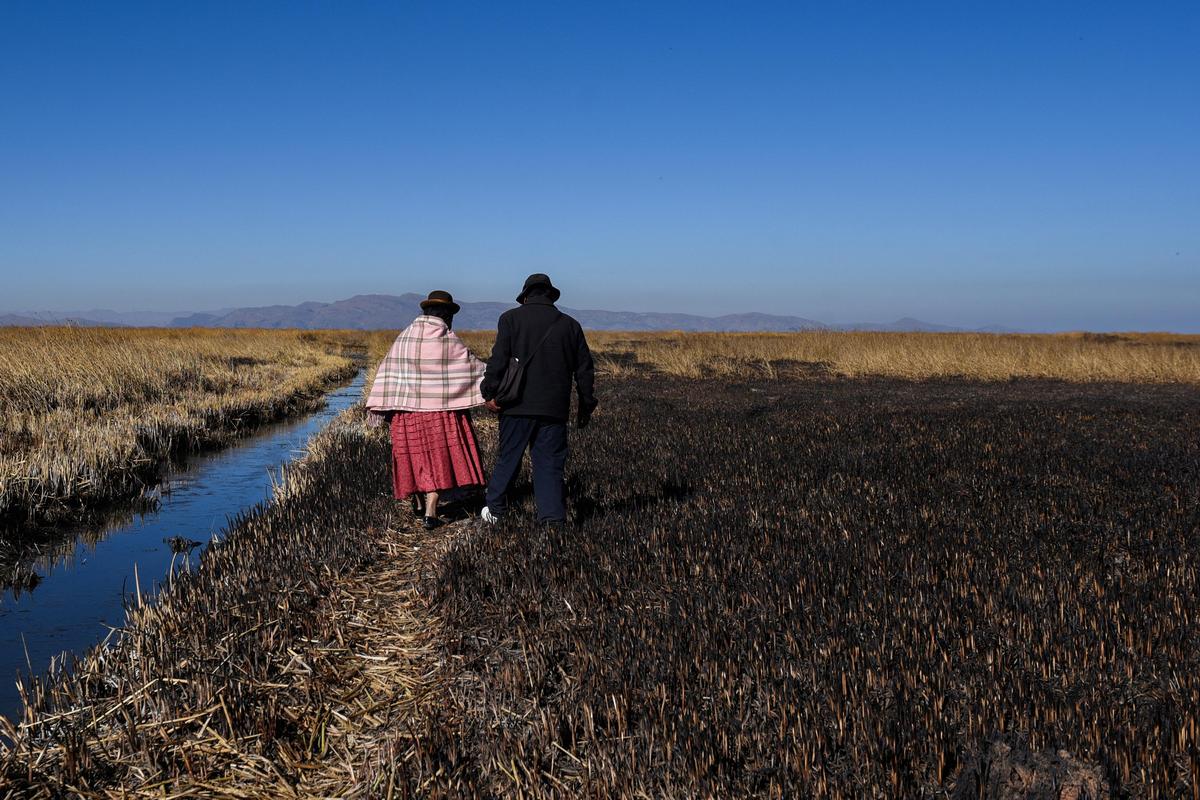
(428, 369)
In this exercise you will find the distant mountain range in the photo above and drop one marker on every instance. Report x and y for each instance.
(911, 325)
(96, 317)
(35, 319)
(383, 311)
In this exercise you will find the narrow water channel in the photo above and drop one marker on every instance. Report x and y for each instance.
(82, 589)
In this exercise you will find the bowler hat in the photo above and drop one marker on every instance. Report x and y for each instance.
(535, 280)
(440, 299)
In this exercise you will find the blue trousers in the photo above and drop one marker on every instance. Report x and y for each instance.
(546, 440)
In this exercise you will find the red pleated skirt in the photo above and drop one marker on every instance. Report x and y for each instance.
(433, 451)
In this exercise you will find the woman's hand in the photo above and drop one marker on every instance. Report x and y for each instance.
(493, 406)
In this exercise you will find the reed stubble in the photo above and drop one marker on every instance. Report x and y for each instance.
(840, 588)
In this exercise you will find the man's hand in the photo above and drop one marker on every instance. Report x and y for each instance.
(584, 415)
(493, 406)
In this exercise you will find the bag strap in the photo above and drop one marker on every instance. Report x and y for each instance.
(542, 341)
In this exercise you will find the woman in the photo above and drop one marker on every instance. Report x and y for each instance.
(425, 384)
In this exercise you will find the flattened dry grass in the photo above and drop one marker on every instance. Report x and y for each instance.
(88, 412)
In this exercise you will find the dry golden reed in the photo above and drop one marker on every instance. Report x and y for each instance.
(1148, 358)
(1085, 357)
(88, 411)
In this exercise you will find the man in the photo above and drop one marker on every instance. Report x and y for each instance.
(554, 351)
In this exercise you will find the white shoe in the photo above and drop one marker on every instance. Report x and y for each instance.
(487, 516)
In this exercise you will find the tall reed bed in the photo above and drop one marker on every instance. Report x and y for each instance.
(89, 413)
(1089, 357)
(1140, 358)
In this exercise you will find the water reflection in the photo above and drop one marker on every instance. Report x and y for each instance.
(66, 593)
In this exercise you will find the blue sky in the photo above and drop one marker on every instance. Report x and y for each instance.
(1026, 164)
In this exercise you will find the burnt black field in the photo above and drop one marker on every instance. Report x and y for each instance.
(837, 588)
(807, 588)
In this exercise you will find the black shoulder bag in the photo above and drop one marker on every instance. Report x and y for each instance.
(513, 382)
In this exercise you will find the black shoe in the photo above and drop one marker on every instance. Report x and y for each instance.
(432, 522)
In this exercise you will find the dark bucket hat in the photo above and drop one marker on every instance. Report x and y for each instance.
(535, 280)
(440, 299)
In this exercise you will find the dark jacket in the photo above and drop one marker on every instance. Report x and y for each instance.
(565, 355)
